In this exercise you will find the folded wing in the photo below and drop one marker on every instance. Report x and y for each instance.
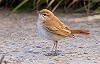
(57, 27)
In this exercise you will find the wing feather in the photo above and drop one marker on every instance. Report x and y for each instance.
(56, 27)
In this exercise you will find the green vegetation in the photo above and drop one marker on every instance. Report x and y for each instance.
(87, 6)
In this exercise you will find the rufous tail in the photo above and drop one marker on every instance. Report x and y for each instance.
(81, 31)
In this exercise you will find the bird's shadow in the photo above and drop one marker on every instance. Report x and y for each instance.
(53, 53)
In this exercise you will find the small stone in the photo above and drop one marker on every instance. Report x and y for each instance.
(38, 46)
(85, 53)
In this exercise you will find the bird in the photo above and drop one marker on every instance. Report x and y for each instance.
(50, 27)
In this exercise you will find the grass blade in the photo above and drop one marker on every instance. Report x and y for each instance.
(18, 6)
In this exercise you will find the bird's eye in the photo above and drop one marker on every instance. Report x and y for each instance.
(44, 14)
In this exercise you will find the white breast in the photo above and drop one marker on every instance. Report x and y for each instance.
(40, 28)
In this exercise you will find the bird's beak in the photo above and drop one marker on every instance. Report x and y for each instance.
(38, 12)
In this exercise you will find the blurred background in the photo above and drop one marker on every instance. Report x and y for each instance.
(67, 6)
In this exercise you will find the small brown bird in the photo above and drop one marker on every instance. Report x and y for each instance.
(52, 28)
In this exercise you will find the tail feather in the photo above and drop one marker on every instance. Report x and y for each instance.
(81, 31)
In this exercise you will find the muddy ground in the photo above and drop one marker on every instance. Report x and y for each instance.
(21, 44)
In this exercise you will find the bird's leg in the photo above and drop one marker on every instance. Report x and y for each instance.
(55, 46)
(56, 42)
(54, 50)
